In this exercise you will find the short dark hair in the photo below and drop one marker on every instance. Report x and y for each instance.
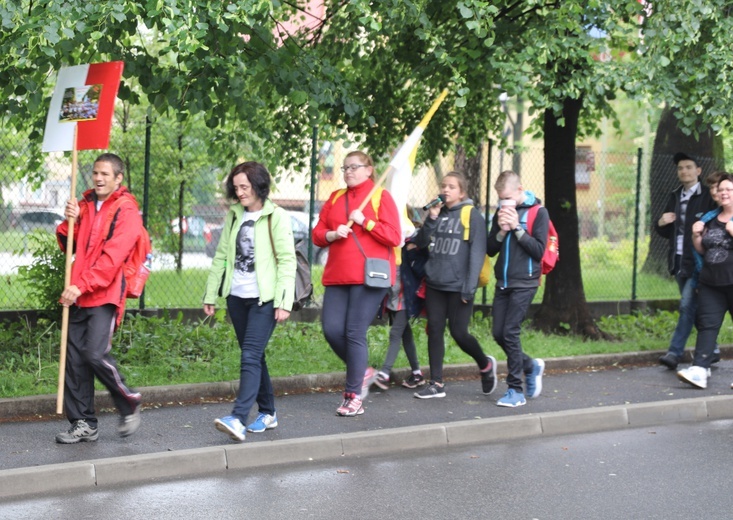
(257, 175)
(118, 167)
(714, 178)
(725, 177)
(682, 156)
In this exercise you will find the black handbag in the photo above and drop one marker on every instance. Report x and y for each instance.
(376, 270)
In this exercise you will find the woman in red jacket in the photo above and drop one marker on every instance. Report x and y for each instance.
(348, 305)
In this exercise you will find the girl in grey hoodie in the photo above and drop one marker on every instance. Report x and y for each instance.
(452, 271)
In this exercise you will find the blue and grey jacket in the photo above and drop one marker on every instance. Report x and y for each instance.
(520, 253)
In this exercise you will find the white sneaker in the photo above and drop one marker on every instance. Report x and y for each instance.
(696, 376)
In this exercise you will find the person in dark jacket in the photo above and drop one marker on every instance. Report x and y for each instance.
(517, 272)
(685, 205)
(452, 272)
(401, 305)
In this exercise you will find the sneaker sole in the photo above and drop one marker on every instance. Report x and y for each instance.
(511, 405)
(271, 427)
(381, 386)
(431, 396)
(538, 380)
(493, 375)
(225, 429)
(696, 384)
(407, 385)
(360, 411)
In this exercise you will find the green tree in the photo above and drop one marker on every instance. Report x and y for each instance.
(686, 65)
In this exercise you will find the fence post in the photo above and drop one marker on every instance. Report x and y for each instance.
(314, 167)
(146, 186)
(487, 209)
(639, 156)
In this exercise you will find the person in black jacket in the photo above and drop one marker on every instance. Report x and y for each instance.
(685, 205)
(517, 272)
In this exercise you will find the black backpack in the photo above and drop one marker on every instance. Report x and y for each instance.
(303, 285)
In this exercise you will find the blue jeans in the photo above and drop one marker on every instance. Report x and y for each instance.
(688, 308)
(253, 325)
(347, 312)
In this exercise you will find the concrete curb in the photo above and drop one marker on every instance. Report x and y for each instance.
(97, 474)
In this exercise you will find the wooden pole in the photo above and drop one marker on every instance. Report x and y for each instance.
(377, 184)
(67, 282)
(423, 123)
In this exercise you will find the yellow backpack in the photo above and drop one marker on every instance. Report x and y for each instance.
(485, 274)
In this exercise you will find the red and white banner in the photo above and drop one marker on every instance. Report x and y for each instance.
(84, 98)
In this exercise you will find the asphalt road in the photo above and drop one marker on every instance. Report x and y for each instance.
(177, 438)
(666, 472)
(168, 426)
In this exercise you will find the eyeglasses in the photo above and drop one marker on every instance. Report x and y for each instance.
(351, 167)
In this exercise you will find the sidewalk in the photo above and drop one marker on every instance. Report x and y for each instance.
(177, 437)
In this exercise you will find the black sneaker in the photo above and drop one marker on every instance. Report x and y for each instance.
(381, 381)
(431, 391)
(488, 378)
(715, 358)
(670, 361)
(79, 431)
(414, 381)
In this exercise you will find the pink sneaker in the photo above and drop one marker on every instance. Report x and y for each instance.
(351, 406)
(370, 375)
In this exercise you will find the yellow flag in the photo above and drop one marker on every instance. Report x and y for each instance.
(400, 177)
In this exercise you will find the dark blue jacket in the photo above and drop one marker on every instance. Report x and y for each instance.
(520, 260)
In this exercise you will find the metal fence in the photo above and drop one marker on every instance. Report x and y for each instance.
(171, 174)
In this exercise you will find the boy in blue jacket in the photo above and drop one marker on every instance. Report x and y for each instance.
(517, 272)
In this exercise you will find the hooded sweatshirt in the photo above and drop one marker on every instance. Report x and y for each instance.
(454, 263)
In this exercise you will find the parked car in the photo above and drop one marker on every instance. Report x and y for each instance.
(46, 220)
(299, 222)
(196, 233)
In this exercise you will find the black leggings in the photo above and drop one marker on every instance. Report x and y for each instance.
(441, 306)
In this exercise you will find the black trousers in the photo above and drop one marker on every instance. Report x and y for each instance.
(712, 304)
(508, 311)
(88, 355)
(441, 306)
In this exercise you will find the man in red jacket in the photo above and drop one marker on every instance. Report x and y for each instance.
(96, 297)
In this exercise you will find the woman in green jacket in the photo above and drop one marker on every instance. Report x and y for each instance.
(254, 269)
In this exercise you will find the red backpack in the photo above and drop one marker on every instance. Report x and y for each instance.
(552, 247)
(136, 268)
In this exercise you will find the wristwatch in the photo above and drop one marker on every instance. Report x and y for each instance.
(518, 228)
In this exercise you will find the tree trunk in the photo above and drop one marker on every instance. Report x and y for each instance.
(564, 304)
(471, 168)
(663, 177)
